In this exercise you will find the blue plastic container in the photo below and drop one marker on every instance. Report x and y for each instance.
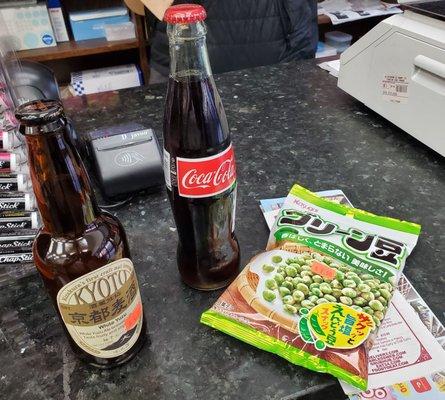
(90, 24)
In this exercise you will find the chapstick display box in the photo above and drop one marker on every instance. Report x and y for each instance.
(90, 24)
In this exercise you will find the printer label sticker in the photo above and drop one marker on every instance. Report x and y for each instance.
(395, 88)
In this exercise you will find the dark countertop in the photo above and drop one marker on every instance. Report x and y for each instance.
(290, 123)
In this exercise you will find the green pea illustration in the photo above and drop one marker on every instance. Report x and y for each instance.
(284, 291)
(276, 259)
(349, 292)
(349, 283)
(269, 295)
(290, 309)
(376, 305)
(346, 300)
(271, 284)
(330, 298)
(299, 287)
(288, 299)
(268, 268)
(279, 278)
(298, 295)
(308, 304)
(303, 287)
(288, 285)
(291, 271)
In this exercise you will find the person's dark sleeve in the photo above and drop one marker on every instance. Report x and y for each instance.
(302, 28)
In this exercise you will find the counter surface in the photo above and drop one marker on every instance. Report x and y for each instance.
(290, 123)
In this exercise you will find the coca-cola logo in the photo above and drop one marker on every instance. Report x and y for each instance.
(208, 176)
(214, 178)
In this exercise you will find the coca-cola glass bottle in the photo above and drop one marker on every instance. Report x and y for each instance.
(199, 163)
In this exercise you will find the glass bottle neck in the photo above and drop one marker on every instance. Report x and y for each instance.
(188, 51)
(63, 192)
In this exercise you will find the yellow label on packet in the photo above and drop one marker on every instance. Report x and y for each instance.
(402, 388)
(338, 325)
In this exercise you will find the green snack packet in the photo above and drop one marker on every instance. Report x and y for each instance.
(319, 292)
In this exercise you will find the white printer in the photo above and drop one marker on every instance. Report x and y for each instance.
(398, 70)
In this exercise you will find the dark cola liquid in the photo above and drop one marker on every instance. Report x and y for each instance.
(195, 126)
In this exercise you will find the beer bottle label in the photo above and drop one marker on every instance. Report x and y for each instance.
(102, 310)
(207, 176)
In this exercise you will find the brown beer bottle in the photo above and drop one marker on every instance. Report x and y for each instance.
(81, 252)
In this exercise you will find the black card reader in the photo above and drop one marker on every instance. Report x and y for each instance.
(126, 161)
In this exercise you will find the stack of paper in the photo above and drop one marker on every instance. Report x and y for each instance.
(333, 67)
(341, 11)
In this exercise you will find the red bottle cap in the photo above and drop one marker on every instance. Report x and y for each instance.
(185, 14)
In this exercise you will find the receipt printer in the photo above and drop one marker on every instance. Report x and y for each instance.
(398, 70)
(127, 159)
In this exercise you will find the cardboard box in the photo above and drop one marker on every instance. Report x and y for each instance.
(27, 27)
(90, 24)
(105, 79)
